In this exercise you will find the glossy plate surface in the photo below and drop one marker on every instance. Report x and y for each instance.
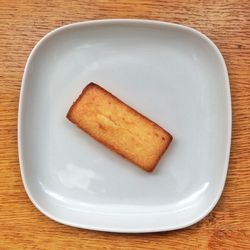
(172, 74)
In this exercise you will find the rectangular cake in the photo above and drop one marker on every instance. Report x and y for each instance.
(113, 123)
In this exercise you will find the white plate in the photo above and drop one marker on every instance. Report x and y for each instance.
(171, 73)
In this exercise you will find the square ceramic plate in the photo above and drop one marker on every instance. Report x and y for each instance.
(172, 74)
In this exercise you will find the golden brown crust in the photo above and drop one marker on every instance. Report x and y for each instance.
(167, 136)
(79, 98)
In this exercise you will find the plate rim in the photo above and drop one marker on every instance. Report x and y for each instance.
(124, 229)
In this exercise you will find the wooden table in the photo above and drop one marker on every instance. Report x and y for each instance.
(23, 23)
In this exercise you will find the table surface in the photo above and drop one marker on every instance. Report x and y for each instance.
(24, 23)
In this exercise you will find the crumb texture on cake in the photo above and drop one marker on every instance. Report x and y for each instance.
(121, 128)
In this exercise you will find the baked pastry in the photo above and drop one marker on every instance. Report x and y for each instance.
(119, 127)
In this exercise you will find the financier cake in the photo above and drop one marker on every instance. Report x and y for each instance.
(118, 126)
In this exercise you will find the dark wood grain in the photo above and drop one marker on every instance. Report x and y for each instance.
(24, 23)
